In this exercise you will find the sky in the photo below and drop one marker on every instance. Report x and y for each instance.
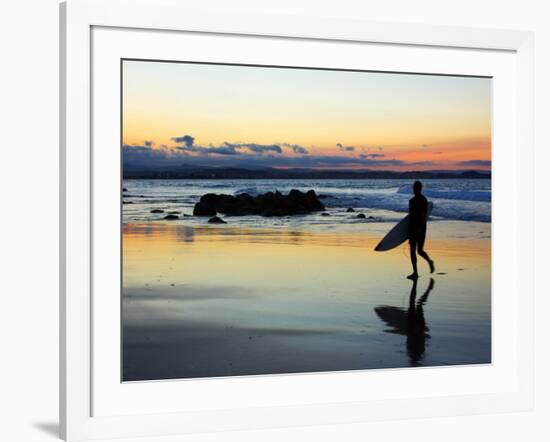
(255, 117)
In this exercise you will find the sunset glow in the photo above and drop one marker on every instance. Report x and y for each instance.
(241, 116)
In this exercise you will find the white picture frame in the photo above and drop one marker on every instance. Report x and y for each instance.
(77, 369)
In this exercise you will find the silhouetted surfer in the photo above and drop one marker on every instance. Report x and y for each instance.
(418, 215)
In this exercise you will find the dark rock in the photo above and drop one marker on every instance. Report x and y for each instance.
(127, 202)
(361, 216)
(325, 214)
(267, 204)
(371, 217)
(124, 189)
(216, 220)
(157, 211)
(174, 212)
(204, 208)
(274, 211)
(171, 217)
(351, 209)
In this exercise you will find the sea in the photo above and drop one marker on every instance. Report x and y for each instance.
(379, 199)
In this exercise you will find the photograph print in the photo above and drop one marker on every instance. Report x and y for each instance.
(284, 219)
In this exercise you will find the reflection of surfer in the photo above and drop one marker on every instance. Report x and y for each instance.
(410, 322)
(417, 330)
(418, 214)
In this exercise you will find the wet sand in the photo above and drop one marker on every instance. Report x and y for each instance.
(225, 301)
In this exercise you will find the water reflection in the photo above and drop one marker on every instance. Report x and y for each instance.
(409, 322)
(186, 234)
(238, 301)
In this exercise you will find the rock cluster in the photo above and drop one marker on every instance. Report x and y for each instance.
(267, 204)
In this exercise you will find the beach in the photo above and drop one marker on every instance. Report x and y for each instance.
(209, 301)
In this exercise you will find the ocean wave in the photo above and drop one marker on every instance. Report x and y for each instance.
(465, 200)
(460, 195)
(466, 210)
(251, 190)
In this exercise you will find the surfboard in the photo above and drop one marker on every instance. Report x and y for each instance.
(398, 235)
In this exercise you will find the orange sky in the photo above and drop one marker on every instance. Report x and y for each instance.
(276, 117)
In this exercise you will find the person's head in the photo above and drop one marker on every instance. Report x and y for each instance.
(417, 187)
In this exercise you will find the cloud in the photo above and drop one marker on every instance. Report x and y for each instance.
(186, 140)
(372, 155)
(225, 149)
(228, 148)
(296, 148)
(421, 163)
(474, 163)
(205, 151)
(145, 157)
(345, 148)
(186, 143)
(143, 151)
(300, 150)
(253, 156)
(246, 155)
(256, 148)
(342, 162)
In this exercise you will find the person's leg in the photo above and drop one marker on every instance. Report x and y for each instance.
(423, 253)
(412, 245)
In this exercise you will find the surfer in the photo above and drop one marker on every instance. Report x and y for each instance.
(418, 214)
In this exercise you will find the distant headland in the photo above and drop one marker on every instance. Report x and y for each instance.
(188, 172)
